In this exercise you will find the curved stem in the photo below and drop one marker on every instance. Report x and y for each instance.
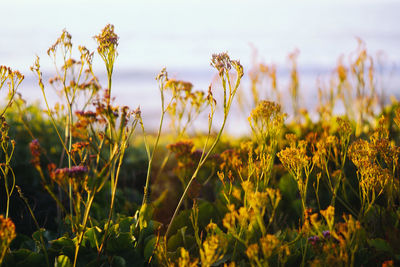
(201, 163)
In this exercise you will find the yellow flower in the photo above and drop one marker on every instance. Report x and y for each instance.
(295, 159)
(268, 244)
(184, 259)
(252, 252)
(266, 121)
(7, 234)
(212, 250)
(329, 215)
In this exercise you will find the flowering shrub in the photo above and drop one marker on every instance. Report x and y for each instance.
(294, 193)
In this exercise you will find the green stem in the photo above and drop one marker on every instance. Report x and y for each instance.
(36, 224)
(85, 218)
(201, 163)
(146, 187)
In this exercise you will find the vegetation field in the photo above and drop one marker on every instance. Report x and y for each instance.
(84, 183)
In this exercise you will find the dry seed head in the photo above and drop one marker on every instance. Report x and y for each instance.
(4, 73)
(221, 62)
(86, 56)
(163, 75)
(107, 40)
(64, 41)
(238, 67)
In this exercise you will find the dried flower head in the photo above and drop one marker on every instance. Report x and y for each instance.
(221, 62)
(107, 41)
(224, 64)
(64, 42)
(61, 176)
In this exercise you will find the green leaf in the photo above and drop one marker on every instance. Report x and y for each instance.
(380, 245)
(149, 247)
(118, 262)
(180, 239)
(181, 220)
(125, 224)
(288, 187)
(62, 261)
(145, 214)
(207, 212)
(152, 227)
(120, 242)
(97, 262)
(37, 237)
(92, 235)
(63, 245)
(23, 258)
(174, 242)
(22, 241)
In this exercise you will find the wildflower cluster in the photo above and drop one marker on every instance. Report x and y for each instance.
(294, 158)
(213, 247)
(74, 172)
(185, 106)
(107, 42)
(266, 121)
(243, 201)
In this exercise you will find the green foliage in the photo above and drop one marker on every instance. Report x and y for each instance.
(292, 193)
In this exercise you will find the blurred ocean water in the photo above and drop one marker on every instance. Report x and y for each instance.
(182, 35)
